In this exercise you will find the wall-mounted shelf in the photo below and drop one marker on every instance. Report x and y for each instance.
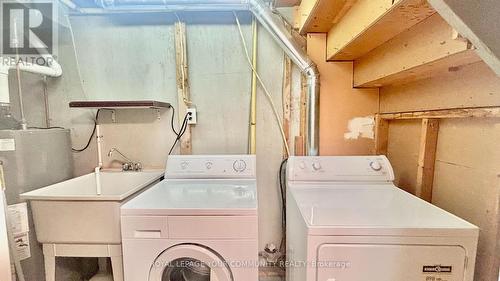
(120, 104)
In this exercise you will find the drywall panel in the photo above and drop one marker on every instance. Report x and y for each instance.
(343, 110)
(477, 21)
(468, 86)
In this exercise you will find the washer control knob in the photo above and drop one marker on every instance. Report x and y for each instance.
(239, 166)
(302, 165)
(375, 165)
(209, 165)
(316, 166)
(184, 165)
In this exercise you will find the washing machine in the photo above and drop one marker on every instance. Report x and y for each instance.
(199, 224)
(347, 221)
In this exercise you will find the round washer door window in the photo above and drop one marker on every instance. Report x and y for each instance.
(189, 263)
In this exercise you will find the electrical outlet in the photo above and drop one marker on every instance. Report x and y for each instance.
(191, 112)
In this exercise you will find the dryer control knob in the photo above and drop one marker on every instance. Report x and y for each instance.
(375, 166)
(316, 166)
(239, 166)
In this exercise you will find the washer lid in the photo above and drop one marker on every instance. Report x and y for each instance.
(377, 209)
(196, 197)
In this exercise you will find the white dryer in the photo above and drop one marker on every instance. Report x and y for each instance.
(199, 224)
(346, 221)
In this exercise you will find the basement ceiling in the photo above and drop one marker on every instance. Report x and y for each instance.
(91, 3)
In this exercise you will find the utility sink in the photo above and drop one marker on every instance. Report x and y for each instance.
(71, 212)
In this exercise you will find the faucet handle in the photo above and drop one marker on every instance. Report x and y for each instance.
(126, 166)
(138, 167)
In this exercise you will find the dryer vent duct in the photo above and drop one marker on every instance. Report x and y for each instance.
(270, 22)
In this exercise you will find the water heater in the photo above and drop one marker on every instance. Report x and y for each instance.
(33, 159)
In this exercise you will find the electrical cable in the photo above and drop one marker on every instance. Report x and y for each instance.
(182, 129)
(46, 128)
(267, 93)
(282, 181)
(91, 135)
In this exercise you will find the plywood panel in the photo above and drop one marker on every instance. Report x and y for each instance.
(402, 151)
(466, 181)
(468, 86)
(426, 49)
(466, 178)
(369, 23)
(340, 103)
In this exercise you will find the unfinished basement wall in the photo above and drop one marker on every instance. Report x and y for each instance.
(346, 114)
(467, 171)
(132, 57)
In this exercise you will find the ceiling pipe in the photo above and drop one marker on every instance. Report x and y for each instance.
(269, 21)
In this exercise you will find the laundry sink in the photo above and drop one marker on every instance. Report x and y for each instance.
(71, 212)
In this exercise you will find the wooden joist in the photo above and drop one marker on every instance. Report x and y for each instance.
(370, 23)
(320, 15)
(427, 158)
(427, 49)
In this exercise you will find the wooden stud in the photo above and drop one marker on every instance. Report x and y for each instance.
(427, 158)
(370, 23)
(381, 135)
(425, 50)
(182, 83)
(299, 146)
(287, 98)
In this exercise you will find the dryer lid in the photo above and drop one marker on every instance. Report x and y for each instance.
(377, 209)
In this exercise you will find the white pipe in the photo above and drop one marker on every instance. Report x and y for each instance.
(53, 69)
(268, 20)
(99, 157)
(98, 188)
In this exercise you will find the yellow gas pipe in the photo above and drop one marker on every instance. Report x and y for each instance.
(253, 97)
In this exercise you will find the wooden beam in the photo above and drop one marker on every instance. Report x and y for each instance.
(299, 146)
(319, 16)
(427, 49)
(370, 23)
(478, 112)
(183, 95)
(381, 135)
(427, 158)
(287, 98)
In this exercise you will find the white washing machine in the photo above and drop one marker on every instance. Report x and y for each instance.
(346, 221)
(199, 224)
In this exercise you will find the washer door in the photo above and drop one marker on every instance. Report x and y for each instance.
(188, 262)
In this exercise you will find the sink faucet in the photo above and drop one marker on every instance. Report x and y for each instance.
(129, 165)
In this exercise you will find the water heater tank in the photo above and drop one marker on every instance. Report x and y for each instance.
(33, 159)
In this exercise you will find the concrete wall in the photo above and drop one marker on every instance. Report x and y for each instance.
(126, 57)
(466, 178)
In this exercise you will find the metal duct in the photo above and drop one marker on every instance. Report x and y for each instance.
(270, 22)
